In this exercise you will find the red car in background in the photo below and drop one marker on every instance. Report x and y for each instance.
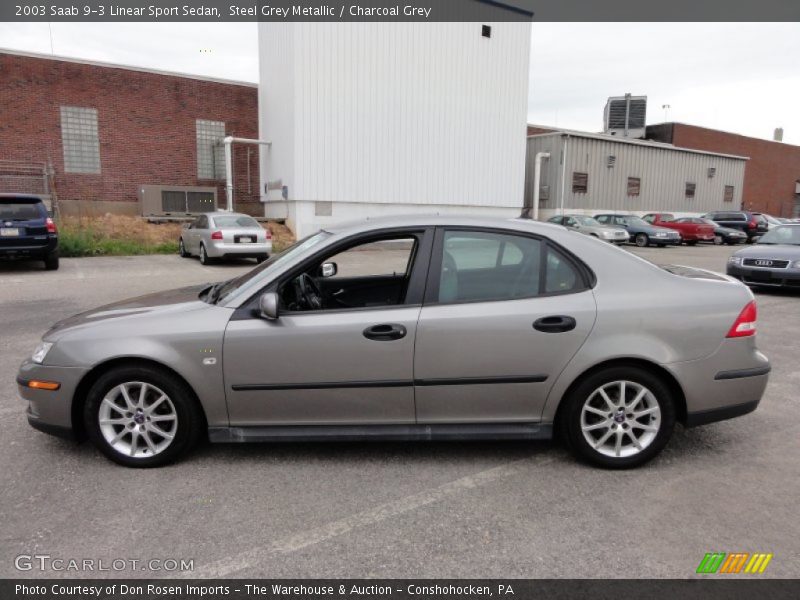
(692, 230)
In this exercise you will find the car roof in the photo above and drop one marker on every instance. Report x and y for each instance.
(225, 213)
(403, 221)
(11, 196)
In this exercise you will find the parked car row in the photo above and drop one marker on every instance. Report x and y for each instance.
(663, 229)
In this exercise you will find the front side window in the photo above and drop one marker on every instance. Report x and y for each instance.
(80, 140)
(487, 266)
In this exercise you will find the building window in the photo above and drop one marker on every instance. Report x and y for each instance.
(580, 183)
(80, 140)
(728, 193)
(486, 31)
(690, 188)
(634, 186)
(210, 153)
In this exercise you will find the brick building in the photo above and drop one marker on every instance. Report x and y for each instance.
(104, 131)
(772, 175)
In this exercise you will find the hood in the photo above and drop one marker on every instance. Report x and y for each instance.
(779, 251)
(181, 300)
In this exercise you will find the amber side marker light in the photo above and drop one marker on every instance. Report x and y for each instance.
(43, 385)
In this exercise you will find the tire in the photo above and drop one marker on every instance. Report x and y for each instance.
(182, 249)
(719, 240)
(51, 261)
(641, 240)
(586, 407)
(185, 426)
(691, 243)
(204, 259)
(260, 259)
(661, 245)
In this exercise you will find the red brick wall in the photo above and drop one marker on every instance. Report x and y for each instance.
(146, 125)
(535, 130)
(770, 174)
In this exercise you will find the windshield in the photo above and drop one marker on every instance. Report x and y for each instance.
(785, 234)
(235, 221)
(588, 221)
(296, 249)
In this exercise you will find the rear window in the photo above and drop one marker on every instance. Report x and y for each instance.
(729, 216)
(235, 221)
(20, 211)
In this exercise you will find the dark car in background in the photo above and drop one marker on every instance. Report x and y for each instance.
(642, 233)
(725, 235)
(774, 260)
(692, 230)
(754, 225)
(26, 230)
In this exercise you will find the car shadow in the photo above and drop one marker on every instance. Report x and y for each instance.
(21, 266)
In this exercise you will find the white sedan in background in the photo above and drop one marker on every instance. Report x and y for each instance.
(218, 235)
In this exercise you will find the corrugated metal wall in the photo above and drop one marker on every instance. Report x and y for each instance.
(424, 113)
(664, 173)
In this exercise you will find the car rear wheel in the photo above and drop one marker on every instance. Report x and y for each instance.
(51, 261)
(141, 416)
(618, 418)
(182, 249)
(641, 240)
(204, 259)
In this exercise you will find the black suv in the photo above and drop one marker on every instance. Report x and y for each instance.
(26, 230)
(752, 224)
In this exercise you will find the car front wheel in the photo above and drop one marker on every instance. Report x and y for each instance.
(641, 240)
(141, 416)
(618, 418)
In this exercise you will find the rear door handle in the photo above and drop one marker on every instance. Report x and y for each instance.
(554, 324)
(385, 332)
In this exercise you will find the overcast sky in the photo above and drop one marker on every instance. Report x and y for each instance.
(738, 77)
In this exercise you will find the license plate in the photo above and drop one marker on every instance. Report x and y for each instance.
(9, 232)
(246, 240)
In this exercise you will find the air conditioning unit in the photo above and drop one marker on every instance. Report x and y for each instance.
(625, 116)
(176, 200)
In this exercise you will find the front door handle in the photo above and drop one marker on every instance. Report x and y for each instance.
(554, 324)
(385, 332)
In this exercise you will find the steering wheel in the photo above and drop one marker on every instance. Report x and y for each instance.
(307, 292)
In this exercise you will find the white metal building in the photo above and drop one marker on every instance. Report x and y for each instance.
(370, 119)
(589, 173)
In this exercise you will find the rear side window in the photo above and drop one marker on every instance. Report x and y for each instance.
(20, 211)
(484, 266)
(602, 218)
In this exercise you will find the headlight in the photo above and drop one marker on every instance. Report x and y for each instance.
(796, 264)
(661, 234)
(607, 234)
(41, 351)
(735, 260)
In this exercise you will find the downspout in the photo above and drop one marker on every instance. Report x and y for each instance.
(229, 141)
(537, 176)
(563, 172)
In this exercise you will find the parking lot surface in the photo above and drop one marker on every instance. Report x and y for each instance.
(459, 509)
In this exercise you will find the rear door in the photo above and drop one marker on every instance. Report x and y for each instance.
(504, 313)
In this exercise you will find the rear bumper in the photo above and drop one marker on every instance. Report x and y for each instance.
(704, 417)
(762, 276)
(38, 250)
(222, 250)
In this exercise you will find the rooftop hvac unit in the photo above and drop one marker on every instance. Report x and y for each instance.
(625, 116)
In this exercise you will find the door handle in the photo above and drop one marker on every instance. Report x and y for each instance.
(555, 324)
(385, 332)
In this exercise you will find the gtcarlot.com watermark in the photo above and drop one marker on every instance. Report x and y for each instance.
(48, 563)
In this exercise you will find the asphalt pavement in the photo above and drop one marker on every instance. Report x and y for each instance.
(459, 509)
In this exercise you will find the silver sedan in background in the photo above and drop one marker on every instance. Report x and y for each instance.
(592, 227)
(217, 235)
(412, 328)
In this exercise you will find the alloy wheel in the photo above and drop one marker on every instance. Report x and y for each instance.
(137, 419)
(620, 419)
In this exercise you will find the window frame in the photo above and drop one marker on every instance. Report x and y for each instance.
(686, 190)
(75, 140)
(416, 283)
(585, 182)
(587, 278)
(638, 186)
(204, 139)
(732, 189)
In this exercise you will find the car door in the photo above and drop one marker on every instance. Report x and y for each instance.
(199, 233)
(334, 366)
(504, 313)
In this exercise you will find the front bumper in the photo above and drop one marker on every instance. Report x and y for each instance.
(674, 241)
(49, 411)
(765, 276)
(254, 250)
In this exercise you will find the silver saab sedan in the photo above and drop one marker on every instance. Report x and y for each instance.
(413, 328)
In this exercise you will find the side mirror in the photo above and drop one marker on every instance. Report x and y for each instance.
(328, 269)
(268, 306)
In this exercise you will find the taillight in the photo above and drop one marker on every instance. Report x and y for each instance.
(745, 323)
(269, 234)
(752, 224)
(216, 235)
(51, 226)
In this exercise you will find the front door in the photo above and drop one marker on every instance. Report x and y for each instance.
(348, 361)
(503, 315)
